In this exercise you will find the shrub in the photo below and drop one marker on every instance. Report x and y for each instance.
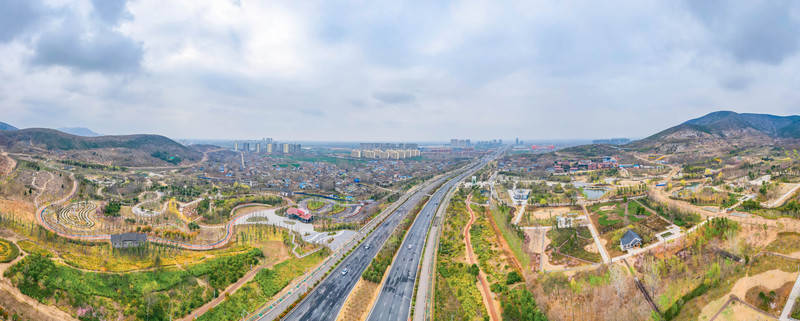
(513, 277)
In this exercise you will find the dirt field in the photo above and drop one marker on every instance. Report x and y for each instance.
(756, 235)
(7, 165)
(250, 209)
(535, 240)
(776, 306)
(608, 207)
(18, 209)
(358, 304)
(772, 279)
(592, 247)
(548, 212)
(740, 312)
(777, 193)
(535, 246)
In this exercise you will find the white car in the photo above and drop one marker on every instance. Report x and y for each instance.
(344, 272)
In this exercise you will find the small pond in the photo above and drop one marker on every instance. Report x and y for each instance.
(593, 193)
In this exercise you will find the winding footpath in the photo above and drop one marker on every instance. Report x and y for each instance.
(783, 198)
(471, 259)
(229, 226)
(184, 245)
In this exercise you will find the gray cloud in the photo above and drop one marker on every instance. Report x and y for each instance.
(752, 31)
(16, 16)
(105, 51)
(230, 69)
(736, 83)
(111, 11)
(394, 97)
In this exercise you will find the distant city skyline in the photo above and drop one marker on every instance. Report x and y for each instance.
(392, 71)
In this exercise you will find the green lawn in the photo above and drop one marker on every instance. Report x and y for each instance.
(572, 242)
(263, 287)
(155, 294)
(514, 240)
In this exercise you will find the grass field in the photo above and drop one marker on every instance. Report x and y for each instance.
(571, 241)
(359, 302)
(712, 288)
(337, 208)
(154, 295)
(8, 251)
(785, 243)
(491, 258)
(31, 247)
(514, 240)
(263, 287)
(315, 205)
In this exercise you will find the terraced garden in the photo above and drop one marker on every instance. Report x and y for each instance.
(8, 251)
(77, 215)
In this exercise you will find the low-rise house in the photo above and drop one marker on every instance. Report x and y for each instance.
(300, 215)
(564, 221)
(128, 240)
(630, 240)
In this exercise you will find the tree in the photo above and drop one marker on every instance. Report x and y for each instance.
(473, 269)
(112, 208)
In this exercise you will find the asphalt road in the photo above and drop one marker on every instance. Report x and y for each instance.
(325, 301)
(394, 300)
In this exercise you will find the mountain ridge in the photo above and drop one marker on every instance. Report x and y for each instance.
(128, 150)
(6, 126)
(722, 129)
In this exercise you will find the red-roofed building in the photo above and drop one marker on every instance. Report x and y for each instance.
(299, 214)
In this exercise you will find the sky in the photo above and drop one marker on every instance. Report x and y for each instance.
(393, 70)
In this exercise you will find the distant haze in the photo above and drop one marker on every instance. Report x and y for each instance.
(80, 131)
(393, 70)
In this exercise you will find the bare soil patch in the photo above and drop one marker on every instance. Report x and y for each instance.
(357, 306)
(736, 311)
(772, 279)
(592, 247)
(548, 212)
(18, 209)
(773, 299)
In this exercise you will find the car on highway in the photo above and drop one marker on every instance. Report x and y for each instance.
(344, 272)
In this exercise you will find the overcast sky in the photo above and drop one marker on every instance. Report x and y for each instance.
(393, 70)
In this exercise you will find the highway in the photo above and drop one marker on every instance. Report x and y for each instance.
(325, 301)
(394, 300)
